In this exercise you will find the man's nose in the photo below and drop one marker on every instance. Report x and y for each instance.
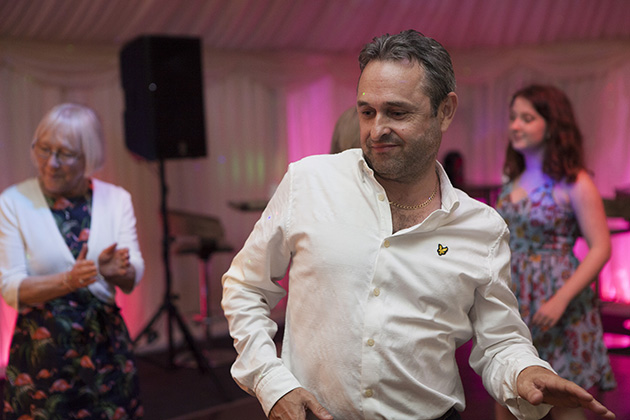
(380, 127)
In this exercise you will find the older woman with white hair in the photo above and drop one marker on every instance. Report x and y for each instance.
(67, 242)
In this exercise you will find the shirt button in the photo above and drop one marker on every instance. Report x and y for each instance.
(369, 393)
(386, 244)
(381, 197)
(370, 342)
(377, 291)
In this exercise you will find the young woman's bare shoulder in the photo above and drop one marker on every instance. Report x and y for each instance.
(583, 188)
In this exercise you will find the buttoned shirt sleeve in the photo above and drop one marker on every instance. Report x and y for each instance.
(250, 291)
(501, 344)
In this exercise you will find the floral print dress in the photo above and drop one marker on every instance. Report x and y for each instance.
(71, 357)
(542, 236)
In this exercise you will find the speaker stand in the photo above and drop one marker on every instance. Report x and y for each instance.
(168, 306)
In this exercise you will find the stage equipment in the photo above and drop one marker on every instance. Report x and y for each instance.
(164, 113)
(202, 236)
(168, 306)
(164, 119)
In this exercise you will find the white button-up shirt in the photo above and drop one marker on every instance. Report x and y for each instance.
(373, 318)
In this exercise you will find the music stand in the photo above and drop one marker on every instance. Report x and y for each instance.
(202, 236)
(168, 306)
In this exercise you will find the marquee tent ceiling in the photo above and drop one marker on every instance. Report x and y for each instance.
(326, 26)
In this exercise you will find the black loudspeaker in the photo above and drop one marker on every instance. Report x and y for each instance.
(164, 113)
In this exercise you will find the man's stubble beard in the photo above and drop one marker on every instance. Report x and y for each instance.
(413, 162)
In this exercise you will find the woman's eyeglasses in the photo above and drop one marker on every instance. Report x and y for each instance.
(63, 157)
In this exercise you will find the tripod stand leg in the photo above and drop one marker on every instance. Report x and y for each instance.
(168, 304)
(202, 362)
(149, 327)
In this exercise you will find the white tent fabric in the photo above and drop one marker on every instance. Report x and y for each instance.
(276, 76)
(329, 26)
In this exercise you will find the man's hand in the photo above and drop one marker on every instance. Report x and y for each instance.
(294, 405)
(539, 385)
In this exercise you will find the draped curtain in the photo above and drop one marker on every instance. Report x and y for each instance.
(264, 110)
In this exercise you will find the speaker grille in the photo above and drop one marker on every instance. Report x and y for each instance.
(164, 113)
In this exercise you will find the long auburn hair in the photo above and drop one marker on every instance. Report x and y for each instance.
(564, 154)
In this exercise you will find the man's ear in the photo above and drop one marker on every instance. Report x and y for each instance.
(446, 111)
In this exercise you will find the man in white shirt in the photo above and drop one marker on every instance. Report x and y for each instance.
(390, 270)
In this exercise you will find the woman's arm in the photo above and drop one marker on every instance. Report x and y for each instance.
(38, 289)
(589, 210)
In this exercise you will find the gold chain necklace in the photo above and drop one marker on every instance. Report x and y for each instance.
(421, 205)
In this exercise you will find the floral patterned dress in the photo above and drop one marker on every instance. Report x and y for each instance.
(542, 236)
(71, 357)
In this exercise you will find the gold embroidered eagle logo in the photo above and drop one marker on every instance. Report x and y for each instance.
(441, 250)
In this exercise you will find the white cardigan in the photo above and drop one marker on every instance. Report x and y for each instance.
(31, 244)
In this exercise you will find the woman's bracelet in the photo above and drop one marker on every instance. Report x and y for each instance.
(66, 280)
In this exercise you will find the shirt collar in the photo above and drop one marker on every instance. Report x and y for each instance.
(450, 201)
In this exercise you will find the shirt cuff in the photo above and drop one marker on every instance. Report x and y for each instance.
(274, 386)
(524, 410)
(521, 408)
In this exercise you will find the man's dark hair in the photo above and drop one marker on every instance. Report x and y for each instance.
(413, 46)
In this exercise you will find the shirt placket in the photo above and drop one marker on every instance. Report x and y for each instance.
(371, 365)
